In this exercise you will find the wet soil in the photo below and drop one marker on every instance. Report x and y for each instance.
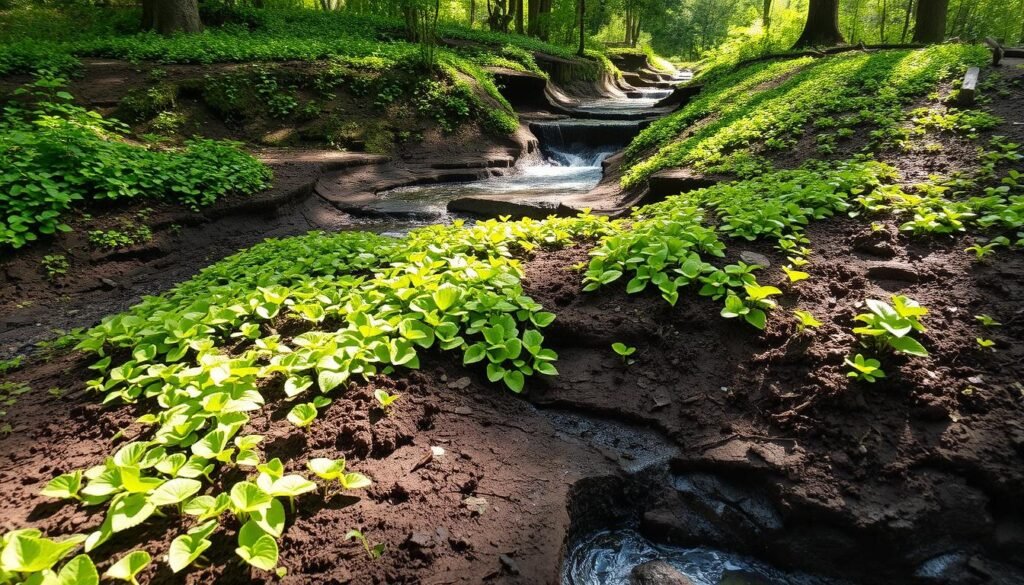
(864, 482)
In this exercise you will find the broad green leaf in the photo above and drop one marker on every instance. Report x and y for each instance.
(186, 548)
(908, 345)
(256, 547)
(129, 566)
(291, 486)
(247, 497)
(129, 511)
(302, 415)
(271, 519)
(514, 380)
(27, 552)
(174, 491)
(328, 469)
(354, 481)
(328, 380)
(78, 571)
(64, 486)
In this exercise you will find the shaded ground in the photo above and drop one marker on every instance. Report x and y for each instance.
(863, 481)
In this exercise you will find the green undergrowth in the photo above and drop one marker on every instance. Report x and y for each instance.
(33, 38)
(294, 322)
(55, 155)
(767, 107)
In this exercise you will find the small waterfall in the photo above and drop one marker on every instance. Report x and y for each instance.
(583, 142)
(569, 161)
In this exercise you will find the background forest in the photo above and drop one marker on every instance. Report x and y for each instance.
(686, 30)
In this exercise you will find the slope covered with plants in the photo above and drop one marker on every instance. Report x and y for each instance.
(745, 116)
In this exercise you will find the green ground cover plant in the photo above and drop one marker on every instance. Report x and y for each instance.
(56, 156)
(200, 358)
(768, 106)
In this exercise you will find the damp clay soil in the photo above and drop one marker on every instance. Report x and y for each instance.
(473, 484)
(753, 442)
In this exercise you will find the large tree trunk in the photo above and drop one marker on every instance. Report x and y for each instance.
(533, 23)
(881, 22)
(544, 30)
(582, 4)
(906, 21)
(822, 28)
(766, 15)
(519, 15)
(931, 21)
(171, 16)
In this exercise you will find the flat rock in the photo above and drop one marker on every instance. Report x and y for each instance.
(498, 207)
(675, 181)
(461, 383)
(755, 258)
(657, 573)
(894, 271)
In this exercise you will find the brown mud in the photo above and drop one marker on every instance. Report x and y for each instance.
(856, 481)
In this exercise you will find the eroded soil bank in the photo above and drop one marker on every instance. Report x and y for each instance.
(747, 441)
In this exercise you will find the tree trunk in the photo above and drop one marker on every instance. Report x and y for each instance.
(472, 12)
(629, 26)
(855, 21)
(170, 16)
(906, 21)
(931, 21)
(519, 16)
(582, 4)
(533, 23)
(766, 15)
(544, 30)
(148, 14)
(822, 27)
(881, 23)
(1021, 39)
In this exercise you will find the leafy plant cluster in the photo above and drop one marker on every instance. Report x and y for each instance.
(887, 328)
(988, 199)
(769, 106)
(668, 245)
(55, 154)
(204, 356)
(968, 122)
(50, 38)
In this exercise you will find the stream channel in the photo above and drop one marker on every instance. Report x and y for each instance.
(569, 161)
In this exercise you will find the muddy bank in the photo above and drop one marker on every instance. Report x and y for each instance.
(312, 190)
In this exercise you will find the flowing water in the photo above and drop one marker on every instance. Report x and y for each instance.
(569, 162)
(607, 558)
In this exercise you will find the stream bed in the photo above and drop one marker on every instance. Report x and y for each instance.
(608, 557)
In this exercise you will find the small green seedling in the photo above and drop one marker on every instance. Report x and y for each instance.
(375, 552)
(303, 415)
(805, 320)
(624, 351)
(129, 567)
(334, 470)
(890, 326)
(12, 364)
(385, 399)
(795, 275)
(986, 343)
(987, 321)
(256, 547)
(867, 370)
(188, 547)
(981, 252)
